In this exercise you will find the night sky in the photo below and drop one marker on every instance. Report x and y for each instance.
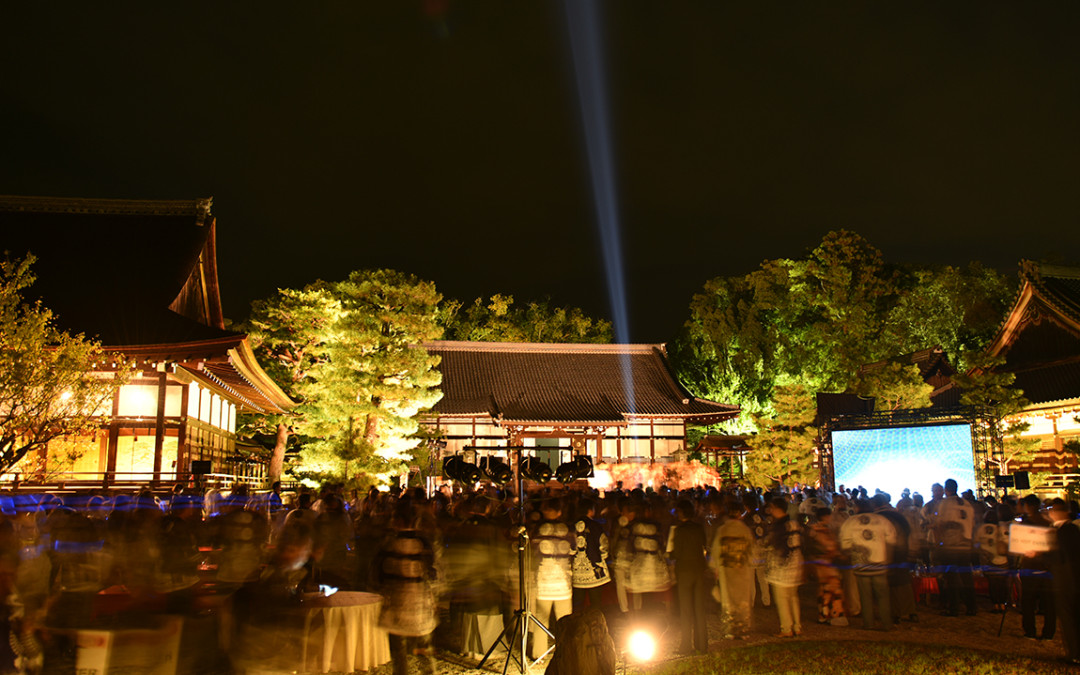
(444, 138)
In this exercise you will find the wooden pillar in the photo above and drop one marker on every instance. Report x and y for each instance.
(114, 441)
(618, 444)
(652, 442)
(159, 427)
(182, 449)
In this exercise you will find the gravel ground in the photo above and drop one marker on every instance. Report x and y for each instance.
(973, 632)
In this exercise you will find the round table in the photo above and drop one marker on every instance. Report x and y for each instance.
(366, 645)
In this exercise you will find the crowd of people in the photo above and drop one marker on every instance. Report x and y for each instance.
(440, 560)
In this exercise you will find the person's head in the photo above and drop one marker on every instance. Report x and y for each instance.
(685, 509)
(823, 515)
(937, 491)
(778, 507)
(1030, 505)
(294, 546)
(1058, 511)
(950, 488)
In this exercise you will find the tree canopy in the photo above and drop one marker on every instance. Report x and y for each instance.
(50, 383)
(813, 321)
(768, 339)
(351, 353)
(498, 319)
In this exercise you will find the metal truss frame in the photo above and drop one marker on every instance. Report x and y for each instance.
(986, 441)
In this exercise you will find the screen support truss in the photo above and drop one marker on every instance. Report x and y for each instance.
(986, 443)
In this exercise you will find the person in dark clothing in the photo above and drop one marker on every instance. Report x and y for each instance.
(1065, 566)
(687, 546)
(1036, 584)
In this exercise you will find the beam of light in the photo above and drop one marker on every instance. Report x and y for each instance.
(641, 646)
(586, 48)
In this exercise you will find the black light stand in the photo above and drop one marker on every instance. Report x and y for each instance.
(523, 617)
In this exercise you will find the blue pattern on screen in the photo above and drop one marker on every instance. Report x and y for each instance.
(904, 457)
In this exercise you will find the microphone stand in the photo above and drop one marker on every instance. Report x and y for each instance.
(523, 617)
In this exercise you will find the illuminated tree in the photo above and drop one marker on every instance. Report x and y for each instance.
(50, 384)
(288, 333)
(989, 387)
(813, 321)
(783, 450)
(499, 320)
(894, 386)
(959, 308)
(351, 353)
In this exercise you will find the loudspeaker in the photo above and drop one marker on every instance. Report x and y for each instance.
(1005, 481)
(200, 467)
(1022, 480)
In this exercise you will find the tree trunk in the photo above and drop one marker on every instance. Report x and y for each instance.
(277, 459)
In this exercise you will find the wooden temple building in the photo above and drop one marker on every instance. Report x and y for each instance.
(1040, 340)
(617, 403)
(141, 277)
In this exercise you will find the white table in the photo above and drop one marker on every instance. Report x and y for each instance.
(366, 645)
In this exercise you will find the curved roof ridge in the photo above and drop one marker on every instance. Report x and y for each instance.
(200, 208)
(543, 347)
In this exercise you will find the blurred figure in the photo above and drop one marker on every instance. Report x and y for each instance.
(825, 548)
(333, 543)
(992, 547)
(952, 526)
(759, 521)
(1065, 564)
(239, 538)
(901, 589)
(1036, 584)
(867, 538)
(687, 546)
(408, 576)
(553, 548)
(783, 566)
(731, 548)
(590, 569)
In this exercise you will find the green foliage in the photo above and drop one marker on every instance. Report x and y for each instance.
(499, 320)
(894, 386)
(957, 308)
(50, 386)
(783, 449)
(989, 386)
(815, 320)
(854, 657)
(351, 353)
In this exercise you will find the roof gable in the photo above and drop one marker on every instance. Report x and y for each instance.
(128, 272)
(564, 383)
(1040, 337)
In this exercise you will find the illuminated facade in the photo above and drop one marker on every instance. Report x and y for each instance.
(1040, 340)
(141, 277)
(617, 403)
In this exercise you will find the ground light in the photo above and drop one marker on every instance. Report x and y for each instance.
(641, 646)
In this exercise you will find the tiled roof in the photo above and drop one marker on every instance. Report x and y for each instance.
(1062, 286)
(930, 361)
(110, 268)
(114, 269)
(1056, 381)
(564, 383)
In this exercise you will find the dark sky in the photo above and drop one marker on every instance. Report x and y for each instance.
(444, 138)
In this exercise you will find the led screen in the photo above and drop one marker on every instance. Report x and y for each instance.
(904, 457)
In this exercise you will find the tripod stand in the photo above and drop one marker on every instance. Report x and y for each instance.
(523, 617)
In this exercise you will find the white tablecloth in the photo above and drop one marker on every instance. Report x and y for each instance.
(351, 637)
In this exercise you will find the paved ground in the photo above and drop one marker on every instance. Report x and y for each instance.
(974, 632)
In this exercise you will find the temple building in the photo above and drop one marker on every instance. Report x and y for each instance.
(617, 403)
(141, 277)
(1040, 340)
